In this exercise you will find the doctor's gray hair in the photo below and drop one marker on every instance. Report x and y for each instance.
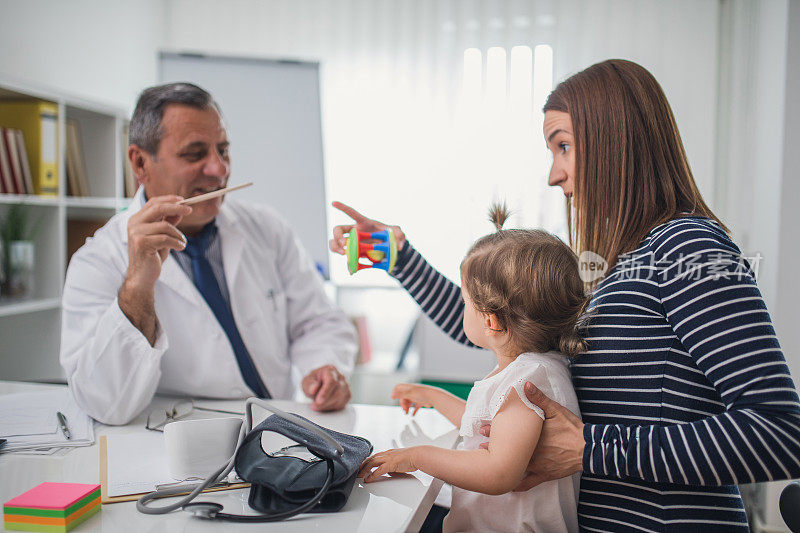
(145, 128)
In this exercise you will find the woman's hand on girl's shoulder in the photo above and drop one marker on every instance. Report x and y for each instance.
(390, 461)
(412, 395)
(559, 450)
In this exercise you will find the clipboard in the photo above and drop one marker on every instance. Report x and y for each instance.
(105, 498)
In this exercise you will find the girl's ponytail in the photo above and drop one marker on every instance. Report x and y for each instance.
(498, 214)
(572, 343)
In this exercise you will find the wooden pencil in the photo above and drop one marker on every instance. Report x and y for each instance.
(213, 194)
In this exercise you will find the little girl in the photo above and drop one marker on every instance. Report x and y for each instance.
(523, 297)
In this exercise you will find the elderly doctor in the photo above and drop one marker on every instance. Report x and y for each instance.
(214, 300)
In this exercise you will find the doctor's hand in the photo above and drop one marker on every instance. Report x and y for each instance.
(328, 387)
(152, 233)
(559, 452)
(362, 223)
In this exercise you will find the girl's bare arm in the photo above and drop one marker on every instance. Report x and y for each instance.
(496, 470)
(413, 396)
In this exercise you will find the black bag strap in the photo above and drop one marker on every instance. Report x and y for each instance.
(293, 418)
(211, 510)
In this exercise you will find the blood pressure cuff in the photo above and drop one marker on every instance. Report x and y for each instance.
(285, 479)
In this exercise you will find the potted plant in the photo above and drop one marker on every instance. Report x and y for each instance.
(18, 258)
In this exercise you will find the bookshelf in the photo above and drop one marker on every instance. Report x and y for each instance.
(30, 329)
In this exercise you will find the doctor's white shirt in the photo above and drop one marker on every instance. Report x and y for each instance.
(276, 295)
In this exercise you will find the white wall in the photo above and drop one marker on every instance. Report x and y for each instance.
(107, 50)
(388, 67)
(675, 40)
(102, 50)
(785, 311)
(750, 130)
(392, 71)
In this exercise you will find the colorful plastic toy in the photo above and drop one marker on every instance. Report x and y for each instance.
(382, 254)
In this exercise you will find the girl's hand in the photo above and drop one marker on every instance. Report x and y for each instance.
(398, 460)
(362, 223)
(412, 395)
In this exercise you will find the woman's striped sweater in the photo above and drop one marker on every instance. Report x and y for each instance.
(684, 390)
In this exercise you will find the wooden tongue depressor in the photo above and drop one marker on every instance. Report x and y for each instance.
(213, 194)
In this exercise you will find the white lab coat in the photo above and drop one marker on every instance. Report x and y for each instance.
(283, 314)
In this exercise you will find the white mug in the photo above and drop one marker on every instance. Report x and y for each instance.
(196, 448)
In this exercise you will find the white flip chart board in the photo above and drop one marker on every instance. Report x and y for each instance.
(272, 110)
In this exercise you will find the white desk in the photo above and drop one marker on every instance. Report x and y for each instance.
(397, 504)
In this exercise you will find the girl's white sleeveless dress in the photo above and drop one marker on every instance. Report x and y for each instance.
(549, 507)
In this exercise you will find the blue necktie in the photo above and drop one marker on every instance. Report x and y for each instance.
(207, 284)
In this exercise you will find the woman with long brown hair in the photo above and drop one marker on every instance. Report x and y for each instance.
(684, 391)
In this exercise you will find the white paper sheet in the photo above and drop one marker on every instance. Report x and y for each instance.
(137, 462)
(23, 414)
(31, 420)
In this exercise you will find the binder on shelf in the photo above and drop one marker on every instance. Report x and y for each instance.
(38, 121)
(10, 141)
(71, 173)
(78, 230)
(6, 181)
(364, 343)
(26, 167)
(77, 181)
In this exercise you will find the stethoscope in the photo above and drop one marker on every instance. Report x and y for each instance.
(213, 510)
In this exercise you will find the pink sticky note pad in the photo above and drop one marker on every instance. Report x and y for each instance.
(53, 495)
